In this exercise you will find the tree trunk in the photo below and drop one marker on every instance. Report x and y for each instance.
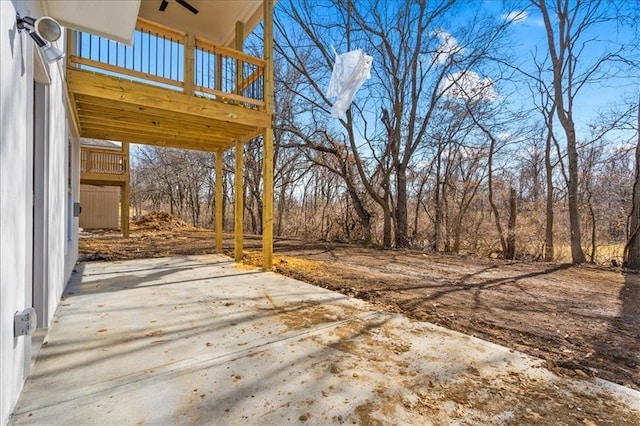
(494, 209)
(592, 215)
(437, 199)
(444, 196)
(386, 231)
(401, 207)
(363, 215)
(577, 255)
(559, 63)
(548, 233)
(456, 234)
(510, 252)
(416, 216)
(632, 248)
(281, 208)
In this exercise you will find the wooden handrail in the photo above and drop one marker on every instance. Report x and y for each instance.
(114, 150)
(103, 161)
(124, 71)
(146, 25)
(218, 49)
(230, 96)
(207, 67)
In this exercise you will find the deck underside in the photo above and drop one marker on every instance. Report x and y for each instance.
(101, 179)
(113, 108)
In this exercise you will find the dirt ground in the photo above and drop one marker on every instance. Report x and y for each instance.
(582, 320)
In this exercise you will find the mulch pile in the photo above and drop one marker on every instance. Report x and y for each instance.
(160, 221)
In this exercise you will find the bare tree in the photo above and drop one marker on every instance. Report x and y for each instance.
(416, 60)
(632, 248)
(567, 24)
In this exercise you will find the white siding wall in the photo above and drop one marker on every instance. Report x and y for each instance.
(16, 141)
(13, 153)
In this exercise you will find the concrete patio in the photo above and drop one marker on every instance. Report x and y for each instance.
(201, 340)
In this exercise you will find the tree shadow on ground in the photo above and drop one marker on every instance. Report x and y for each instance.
(621, 340)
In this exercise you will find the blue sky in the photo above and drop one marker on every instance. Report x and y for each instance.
(526, 36)
(529, 36)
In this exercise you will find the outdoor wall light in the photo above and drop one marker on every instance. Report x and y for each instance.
(43, 31)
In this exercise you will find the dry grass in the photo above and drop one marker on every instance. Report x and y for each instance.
(604, 253)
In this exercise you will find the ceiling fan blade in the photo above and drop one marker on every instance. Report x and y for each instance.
(188, 6)
(163, 5)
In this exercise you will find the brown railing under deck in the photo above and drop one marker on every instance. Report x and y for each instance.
(175, 60)
(103, 161)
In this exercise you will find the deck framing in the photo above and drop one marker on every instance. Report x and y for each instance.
(112, 105)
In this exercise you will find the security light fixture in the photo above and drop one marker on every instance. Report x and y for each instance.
(43, 31)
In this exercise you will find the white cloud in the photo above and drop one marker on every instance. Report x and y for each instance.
(537, 22)
(468, 85)
(516, 16)
(448, 47)
(505, 136)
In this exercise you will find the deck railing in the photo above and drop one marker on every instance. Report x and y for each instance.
(175, 60)
(103, 161)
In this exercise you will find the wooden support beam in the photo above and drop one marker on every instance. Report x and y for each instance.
(91, 107)
(99, 180)
(70, 98)
(109, 88)
(239, 205)
(125, 195)
(239, 47)
(156, 140)
(267, 202)
(189, 54)
(239, 42)
(159, 128)
(218, 200)
(267, 165)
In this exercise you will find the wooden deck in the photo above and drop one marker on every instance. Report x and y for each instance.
(99, 166)
(176, 89)
(108, 167)
(214, 100)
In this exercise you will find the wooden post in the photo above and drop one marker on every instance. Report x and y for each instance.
(218, 201)
(239, 47)
(189, 54)
(71, 43)
(239, 179)
(267, 165)
(239, 205)
(124, 194)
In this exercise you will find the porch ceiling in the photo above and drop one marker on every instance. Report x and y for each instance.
(215, 20)
(111, 108)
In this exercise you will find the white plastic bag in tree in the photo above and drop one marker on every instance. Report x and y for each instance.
(349, 73)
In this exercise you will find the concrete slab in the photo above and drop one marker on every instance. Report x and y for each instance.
(200, 340)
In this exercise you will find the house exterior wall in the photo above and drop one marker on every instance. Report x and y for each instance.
(58, 180)
(100, 207)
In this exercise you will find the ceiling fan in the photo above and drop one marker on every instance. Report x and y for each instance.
(183, 3)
